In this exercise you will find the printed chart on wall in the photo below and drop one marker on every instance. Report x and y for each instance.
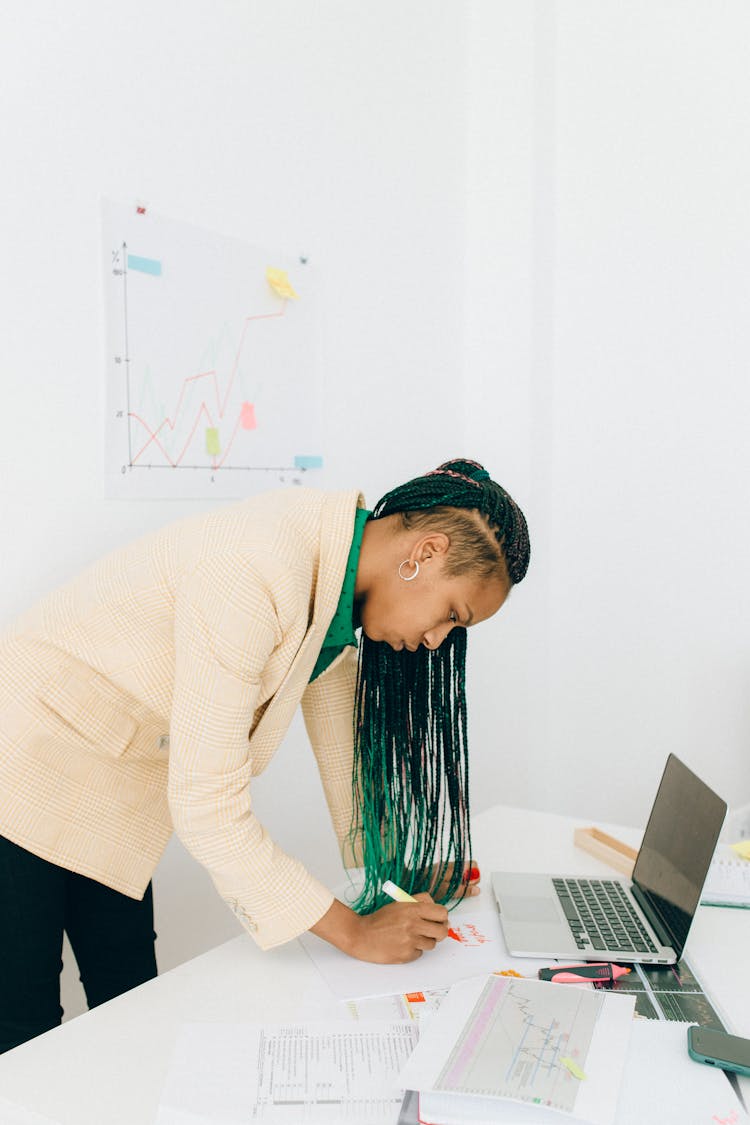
(211, 367)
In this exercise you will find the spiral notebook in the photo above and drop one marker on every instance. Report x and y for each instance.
(728, 880)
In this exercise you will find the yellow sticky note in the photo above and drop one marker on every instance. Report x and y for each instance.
(213, 445)
(574, 1068)
(279, 282)
(742, 848)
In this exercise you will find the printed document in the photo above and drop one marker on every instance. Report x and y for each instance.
(662, 1083)
(291, 1074)
(541, 1044)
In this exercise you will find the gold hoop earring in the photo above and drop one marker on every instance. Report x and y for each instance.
(411, 576)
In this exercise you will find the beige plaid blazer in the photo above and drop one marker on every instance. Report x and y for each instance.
(143, 696)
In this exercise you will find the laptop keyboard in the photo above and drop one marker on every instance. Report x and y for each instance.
(601, 915)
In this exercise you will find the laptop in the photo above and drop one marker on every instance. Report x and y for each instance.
(647, 919)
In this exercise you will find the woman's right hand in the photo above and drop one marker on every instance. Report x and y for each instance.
(397, 933)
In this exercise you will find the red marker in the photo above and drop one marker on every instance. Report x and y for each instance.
(593, 971)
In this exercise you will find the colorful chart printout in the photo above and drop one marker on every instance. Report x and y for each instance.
(211, 366)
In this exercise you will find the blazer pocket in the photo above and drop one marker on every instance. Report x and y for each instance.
(74, 697)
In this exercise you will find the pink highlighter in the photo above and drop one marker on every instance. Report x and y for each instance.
(591, 972)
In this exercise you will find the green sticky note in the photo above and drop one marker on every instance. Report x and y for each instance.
(213, 445)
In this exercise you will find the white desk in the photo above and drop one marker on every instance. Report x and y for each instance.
(108, 1066)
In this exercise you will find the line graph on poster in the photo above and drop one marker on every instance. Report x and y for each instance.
(212, 387)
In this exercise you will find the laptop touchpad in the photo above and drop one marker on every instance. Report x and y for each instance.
(523, 908)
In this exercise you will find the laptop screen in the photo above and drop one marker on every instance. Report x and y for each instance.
(678, 846)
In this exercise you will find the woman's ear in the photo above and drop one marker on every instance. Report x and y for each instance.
(435, 544)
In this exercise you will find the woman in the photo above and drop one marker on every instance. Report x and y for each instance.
(142, 697)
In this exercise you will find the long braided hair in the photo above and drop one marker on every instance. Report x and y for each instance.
(411, 771)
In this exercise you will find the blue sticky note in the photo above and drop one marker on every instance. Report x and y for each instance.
(308, 462)
(145, 265)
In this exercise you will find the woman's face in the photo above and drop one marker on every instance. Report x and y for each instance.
(423, 611)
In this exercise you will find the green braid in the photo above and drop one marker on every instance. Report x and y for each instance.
(411, 769)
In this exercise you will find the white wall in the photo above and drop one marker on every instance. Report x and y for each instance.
(331, 129)
(528, 220)
(609, 234)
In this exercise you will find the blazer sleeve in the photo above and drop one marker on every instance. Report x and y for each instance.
(328, 709)
(225, 629)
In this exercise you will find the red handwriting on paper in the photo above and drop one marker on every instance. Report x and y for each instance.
(470, 934)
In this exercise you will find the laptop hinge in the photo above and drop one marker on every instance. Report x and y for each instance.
(661, 931)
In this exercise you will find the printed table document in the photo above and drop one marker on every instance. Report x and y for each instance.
(541, 1044)
(287, 1074)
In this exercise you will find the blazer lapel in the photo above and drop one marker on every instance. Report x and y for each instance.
(337, 522)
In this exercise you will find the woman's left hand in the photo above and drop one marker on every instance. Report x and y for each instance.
(471, 877)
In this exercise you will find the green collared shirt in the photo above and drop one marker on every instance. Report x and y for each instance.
(341, 630)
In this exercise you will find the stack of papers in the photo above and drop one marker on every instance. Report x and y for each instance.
(551, 1048)
(469, 1033)
(728, 879)
(355, 1073)
(662, 1084)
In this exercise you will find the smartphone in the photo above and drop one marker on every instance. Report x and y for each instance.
(716, 1048)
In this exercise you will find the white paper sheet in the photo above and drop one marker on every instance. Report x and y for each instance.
(481, 950)
(211, 372)
(661, 1084)
(665, 1084)
(295, 1074)
(416, 1006)
(524, 1040)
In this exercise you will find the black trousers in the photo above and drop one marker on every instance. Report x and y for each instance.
(111, 935)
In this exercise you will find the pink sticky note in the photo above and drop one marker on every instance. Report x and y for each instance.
(247, 417)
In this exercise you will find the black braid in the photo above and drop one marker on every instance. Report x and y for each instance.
(411, 769)
(467, 484)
